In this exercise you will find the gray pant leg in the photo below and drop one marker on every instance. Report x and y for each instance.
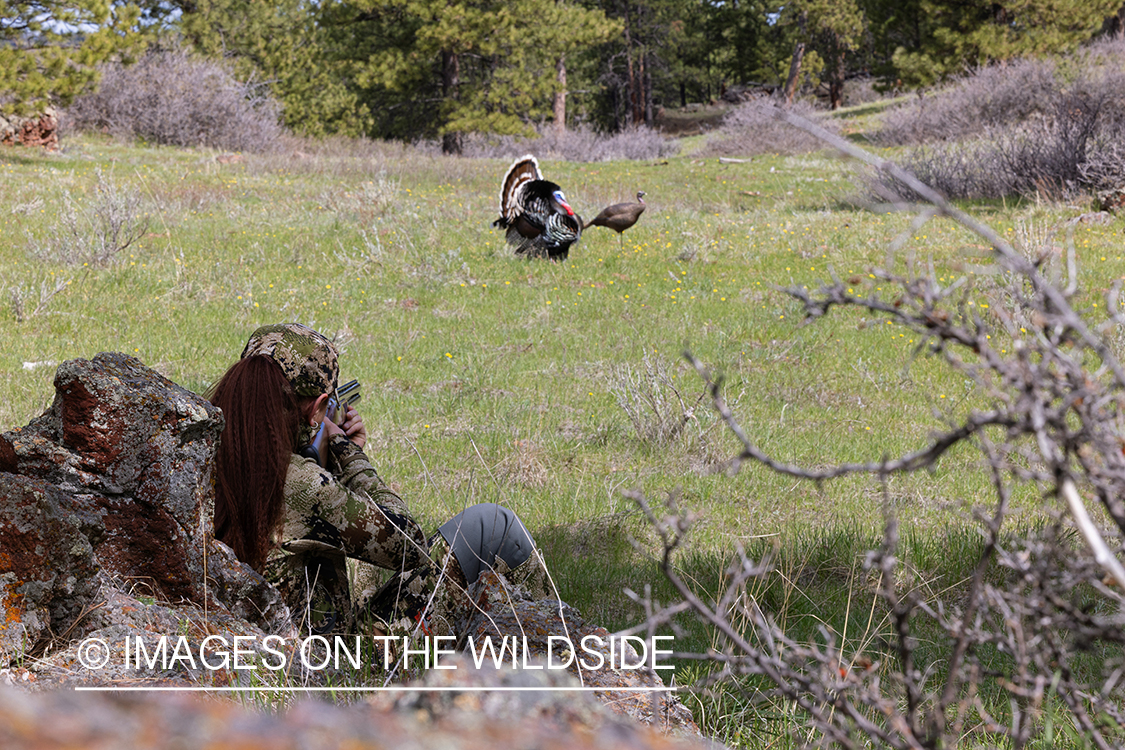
(481, 533)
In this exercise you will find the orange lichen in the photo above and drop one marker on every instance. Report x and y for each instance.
(13, 607)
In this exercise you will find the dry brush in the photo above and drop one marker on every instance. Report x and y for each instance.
(1031, 648)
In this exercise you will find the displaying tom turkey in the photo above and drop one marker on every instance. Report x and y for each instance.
(540, 223)
(620, 216)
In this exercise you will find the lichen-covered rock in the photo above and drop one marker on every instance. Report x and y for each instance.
(158, 644)
(526, 698)
(245, 593)
(125, 456)
(460, 720)
(46, 565)
(135, 450)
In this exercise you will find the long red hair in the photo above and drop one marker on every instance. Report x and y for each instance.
(262, 421)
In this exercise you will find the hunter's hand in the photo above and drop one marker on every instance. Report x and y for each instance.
(333, 429)
(353, 426)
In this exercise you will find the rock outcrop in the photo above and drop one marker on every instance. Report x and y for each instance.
(109, 576)
(47, 564)
(552, 633)
(114, 479)
(40, 130)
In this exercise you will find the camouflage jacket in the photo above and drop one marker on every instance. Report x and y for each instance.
(345, 511)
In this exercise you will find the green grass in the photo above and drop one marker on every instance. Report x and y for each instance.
(487, 378)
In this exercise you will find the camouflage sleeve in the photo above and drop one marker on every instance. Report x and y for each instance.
(353, 510)
(351, 467)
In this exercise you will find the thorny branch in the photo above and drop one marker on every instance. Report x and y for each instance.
(1037, 632)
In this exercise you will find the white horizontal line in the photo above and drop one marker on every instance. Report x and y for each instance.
(399, 689)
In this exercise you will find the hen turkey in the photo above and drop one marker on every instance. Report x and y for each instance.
(539, 221)
(620, 216)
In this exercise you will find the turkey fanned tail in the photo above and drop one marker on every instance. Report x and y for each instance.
(539, 221)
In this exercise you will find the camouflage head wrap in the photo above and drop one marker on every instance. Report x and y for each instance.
(308, 359)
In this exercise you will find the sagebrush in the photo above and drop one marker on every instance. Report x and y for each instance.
(580, 144)
(94, 233)
(1032, 128)
(752, 129)
(172, 98)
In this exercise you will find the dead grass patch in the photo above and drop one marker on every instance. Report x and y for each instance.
(526, 465)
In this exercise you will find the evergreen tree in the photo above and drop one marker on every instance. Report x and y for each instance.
(837, 27)
(665, 49)
(827, 33)
(945, 36)
(450, 67)
(49, 51)
(744, 41)
(281, 44)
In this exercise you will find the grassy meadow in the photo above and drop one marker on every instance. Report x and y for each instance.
(551, 387)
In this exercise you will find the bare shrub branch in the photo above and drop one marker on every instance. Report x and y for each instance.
(22, 297)
(650, 398)
(96, 234)
(1034, 640)
(1025, 128)
(374, 198)
(752, 129)
(171, 98)
(984, 98)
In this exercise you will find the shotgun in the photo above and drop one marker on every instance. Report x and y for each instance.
(317, 450)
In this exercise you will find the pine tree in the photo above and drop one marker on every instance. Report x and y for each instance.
(838, 26)
(49, 51)
(947, 36)
(824, 33)
(451, 67)
(280, 43)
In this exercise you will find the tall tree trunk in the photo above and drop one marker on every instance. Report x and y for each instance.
(836, 77)
(451, 143)
(560, 96)
(630, 78)
(650, 118)
(1114, 26)
(794, 73)
(639, 94)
